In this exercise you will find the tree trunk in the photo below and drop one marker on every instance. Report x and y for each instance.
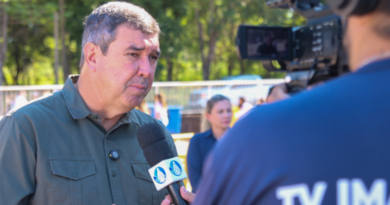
(65, 65)
(212, 41)
(3, 52)
(210, 57)
(4, 35)
(242, 67)
(201, 44)
(230, 67)
(56, 54)
(19, 67)
(170, 70)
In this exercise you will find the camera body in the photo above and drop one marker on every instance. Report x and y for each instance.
(308, 54)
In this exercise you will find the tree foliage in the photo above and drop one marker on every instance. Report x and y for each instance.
(197, 39)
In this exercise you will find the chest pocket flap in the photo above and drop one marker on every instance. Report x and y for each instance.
(71, 167)
(148, 194)
(141, 170)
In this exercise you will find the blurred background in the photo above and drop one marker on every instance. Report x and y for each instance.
(40, 46)
(197, 39)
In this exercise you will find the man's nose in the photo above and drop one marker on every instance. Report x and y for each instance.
(145, 68)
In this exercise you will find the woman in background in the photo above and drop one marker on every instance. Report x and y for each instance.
(217, 117)
(143, 107)
(161, 109)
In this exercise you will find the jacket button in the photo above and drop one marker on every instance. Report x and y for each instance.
(114, 155)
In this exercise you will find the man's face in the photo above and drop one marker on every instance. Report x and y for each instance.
(127, 70)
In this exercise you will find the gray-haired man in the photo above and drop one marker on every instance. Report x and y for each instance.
(78, 146)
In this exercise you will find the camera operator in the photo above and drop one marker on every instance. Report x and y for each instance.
(325, 146)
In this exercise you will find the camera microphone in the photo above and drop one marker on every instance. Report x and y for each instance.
(166, 169)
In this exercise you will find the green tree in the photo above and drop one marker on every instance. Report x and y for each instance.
(217, 22)
(197, 40)
(27, 31)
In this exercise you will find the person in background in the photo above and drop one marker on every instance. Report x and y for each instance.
(217, 117)
(244, 107)
(161, 108)
(277, 93)
(260, 102)
(143, 107)
(20, 100)
(8, 103)
(267, 48)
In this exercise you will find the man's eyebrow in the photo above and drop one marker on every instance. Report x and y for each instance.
(133, 47)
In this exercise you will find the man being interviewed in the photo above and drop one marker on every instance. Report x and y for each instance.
(78, 146)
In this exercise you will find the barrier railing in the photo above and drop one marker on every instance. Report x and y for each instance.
(190, 96)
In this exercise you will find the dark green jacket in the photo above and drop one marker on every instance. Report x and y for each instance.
(55, 151)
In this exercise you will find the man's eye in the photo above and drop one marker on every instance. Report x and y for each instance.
(154, 58)
(133, 54)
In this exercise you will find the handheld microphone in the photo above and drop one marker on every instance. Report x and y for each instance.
(166, 169)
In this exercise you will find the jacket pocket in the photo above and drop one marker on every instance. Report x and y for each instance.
(74, 180)
(147, 192)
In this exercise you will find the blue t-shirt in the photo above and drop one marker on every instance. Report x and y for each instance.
(199, 148)
(328, 146)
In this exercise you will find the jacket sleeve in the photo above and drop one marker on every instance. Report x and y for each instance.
(17, 162)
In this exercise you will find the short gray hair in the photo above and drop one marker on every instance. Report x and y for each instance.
(100, 26)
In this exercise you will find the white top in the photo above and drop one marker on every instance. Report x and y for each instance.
(244, 109)
(20, 101)
(163, 112)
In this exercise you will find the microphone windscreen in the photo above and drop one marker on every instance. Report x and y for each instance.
(153, 143)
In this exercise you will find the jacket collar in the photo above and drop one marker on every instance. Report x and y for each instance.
(74, 102)
(377, 66)
(79, 110)
(208, 133)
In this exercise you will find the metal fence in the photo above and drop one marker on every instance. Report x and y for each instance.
(191, 97)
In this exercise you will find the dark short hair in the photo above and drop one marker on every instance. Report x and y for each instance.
(382, 28)
(100, 26)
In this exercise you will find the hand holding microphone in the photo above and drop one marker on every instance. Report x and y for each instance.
(188, 196)
(166, 169)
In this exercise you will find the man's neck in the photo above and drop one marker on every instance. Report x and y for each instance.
(380, 56)
(368, 50)
(109, 117)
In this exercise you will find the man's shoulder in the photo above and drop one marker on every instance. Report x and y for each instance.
(324, 98)
(310, 109)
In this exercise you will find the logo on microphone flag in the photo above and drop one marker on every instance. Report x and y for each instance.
(159, 175)
(167, 172)
(175, 168)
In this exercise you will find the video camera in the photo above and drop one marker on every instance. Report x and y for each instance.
(309, 54)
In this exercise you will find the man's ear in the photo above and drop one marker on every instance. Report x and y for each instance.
(90, 53)
(365, 20)
(207, 115)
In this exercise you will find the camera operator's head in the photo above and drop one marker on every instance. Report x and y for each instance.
(368, 36)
